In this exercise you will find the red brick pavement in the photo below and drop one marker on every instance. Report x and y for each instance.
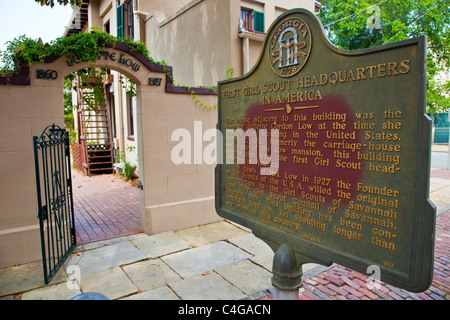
(105, 207)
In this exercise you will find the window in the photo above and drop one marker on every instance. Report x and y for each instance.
(107, 28)
(130, 117)
(125, 22)
(129, 19)
(252, 20)
(246, 19)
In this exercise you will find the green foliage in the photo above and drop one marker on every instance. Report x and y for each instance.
(127, 169)
(438, 100)
(68, 107)
(230, 72)
(347, 22)
(80, 47)
(128, 85)
(121, 155)
(68, 120)
(90, 81)
(192, 92)
(19, 51)
(352, 25)
(51, 3)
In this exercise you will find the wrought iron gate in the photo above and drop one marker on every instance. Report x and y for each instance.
(54, 197)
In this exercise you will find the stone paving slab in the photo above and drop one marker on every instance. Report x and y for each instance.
(196, 261)
(98, 244)
(443, 194)
(53, 292)
(440, 192)
(263, 254)
(203, 235)
(161, 293)
(206, 287)
(161, 244)
(263, 260)
(150, 274)
(437, 183)
(113, 283)
(250, 243)
(107, 257)
(25, 277)
(246, 276)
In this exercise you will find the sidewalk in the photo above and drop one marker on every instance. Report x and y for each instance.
(212, 262)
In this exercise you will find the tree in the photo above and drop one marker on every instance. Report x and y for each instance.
(51, 3)
(353, 25)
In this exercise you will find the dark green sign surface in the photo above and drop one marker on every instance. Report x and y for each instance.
(352, 178)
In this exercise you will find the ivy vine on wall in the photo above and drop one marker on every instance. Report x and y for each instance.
(91, 81)
(81, 47)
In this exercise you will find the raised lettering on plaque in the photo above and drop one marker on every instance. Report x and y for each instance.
(329, 152)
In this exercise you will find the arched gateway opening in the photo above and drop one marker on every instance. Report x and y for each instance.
(100, 116)
(172, 197)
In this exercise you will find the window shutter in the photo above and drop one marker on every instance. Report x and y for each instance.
(259, 21)
(120, 21)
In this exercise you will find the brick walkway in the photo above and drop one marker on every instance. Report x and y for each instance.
(105, 207)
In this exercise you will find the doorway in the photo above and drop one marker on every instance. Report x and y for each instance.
(106, 197)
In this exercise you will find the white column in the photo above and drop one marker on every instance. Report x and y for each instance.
(246, 54)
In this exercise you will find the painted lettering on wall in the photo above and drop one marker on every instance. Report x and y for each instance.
(107, 55)
(154, 81)
(46, 74)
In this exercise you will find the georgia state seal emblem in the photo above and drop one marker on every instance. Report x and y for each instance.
(290, 46)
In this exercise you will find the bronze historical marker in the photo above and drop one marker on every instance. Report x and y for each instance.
(351, 179)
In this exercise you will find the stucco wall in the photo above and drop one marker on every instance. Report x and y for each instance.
(197, 41)
(25, 111)
(177, 196)
(168, 7)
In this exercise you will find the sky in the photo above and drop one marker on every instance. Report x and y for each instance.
(19, 17)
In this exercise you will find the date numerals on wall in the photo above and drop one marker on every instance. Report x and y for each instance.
(154, 81)
(46, 74)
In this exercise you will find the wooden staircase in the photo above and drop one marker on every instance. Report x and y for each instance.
(95, 138)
